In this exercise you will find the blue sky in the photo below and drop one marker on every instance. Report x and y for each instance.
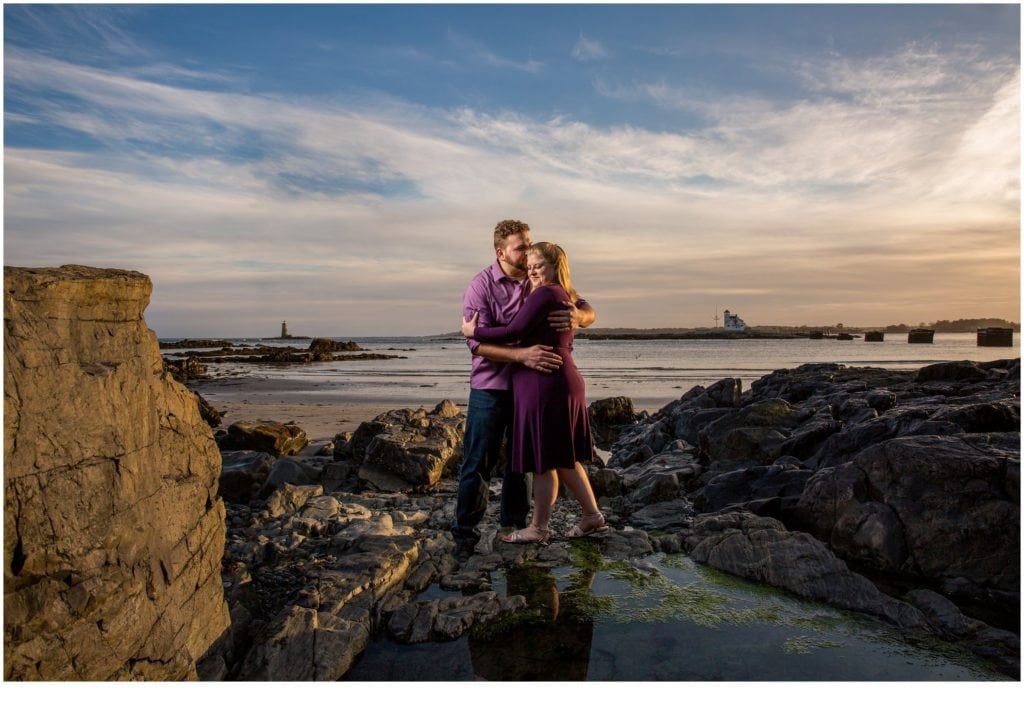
(342, 167)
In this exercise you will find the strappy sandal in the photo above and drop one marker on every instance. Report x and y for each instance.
(521, 537)
(581, 531)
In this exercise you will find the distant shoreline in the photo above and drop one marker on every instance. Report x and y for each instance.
(688, 336)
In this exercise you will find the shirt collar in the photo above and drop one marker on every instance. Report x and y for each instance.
(497, 274)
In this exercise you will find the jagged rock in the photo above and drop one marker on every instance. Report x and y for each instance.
(933, 507)
(806, 439)
(292, 471)
(767, 490)
(902, 421)
(185, 369)
(881, 400)
(756, 431)
(417, 446)
(664, 476)
(272, 437)
(289, 498)
(664, 516)
(113, 530)
(762, 550)
(608, 417)
(306, 645)
(211, 416)
(689, 422)
(957, 371)
(983, 417)
(324, 348)
(342, 445)
(448, 619)
(999, 646)
(641, 442)
(243, 474)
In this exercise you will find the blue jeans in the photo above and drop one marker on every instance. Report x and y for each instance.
(488, 423)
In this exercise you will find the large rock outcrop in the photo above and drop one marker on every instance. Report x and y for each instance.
(113, 530)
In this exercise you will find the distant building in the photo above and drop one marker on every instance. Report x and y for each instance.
(733, 322)
(284, 330)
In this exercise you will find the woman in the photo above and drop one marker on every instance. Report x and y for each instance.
(550, 429)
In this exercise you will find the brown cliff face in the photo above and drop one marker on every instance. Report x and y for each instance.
(113, 532)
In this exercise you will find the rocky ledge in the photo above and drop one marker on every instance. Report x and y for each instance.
(891, 494)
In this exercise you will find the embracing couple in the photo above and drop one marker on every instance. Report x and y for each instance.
(519, 316)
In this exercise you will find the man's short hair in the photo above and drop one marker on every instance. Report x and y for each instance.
(506, 228)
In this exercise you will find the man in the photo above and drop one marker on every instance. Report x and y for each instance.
(496, 293)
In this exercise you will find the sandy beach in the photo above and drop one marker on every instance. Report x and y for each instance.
(321, 415)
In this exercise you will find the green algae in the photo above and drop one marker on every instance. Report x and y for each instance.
(805, 645)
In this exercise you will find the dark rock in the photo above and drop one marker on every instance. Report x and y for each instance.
(289, 498)
(957, 371)
(305, 645)
(988, 417)
(243, 474)
(761, 549)
(902, 421)
(756, 431)
(414, 447)
(881, 400)
(932, 507)
(266, 436)
(608, 417)
(606, 483)
(776, 487)
(641, 442)
(725, 393)
(211, 416)
(291, 471)
(664, 516)
(663, 476)
(689, 422)
(805, 440)
(324, 348)
(184, 370)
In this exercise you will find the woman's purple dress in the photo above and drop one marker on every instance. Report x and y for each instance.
(550, 427)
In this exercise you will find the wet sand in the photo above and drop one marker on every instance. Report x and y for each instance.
(321, 415)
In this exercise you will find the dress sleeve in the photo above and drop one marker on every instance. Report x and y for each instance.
(526, 319)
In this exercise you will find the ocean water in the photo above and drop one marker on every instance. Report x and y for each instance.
(651, 372)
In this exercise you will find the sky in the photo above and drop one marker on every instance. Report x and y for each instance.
(342, 167)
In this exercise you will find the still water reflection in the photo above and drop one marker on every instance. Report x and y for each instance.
(664, 619)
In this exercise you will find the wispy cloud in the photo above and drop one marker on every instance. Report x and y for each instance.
(477, 52)
(326, 212)
(588, 49)
(81, 25)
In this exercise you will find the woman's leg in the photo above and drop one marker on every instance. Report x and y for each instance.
(576, 479)
(593, 520)
(545, 492)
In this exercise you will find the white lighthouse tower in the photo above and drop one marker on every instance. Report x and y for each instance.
(733, 322)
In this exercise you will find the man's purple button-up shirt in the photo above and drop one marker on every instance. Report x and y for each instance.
(497, 297)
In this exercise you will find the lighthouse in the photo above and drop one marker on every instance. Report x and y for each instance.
(284, 330)
(733, 322)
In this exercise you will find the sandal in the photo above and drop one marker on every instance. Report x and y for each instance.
(521, 537)
(582, 531)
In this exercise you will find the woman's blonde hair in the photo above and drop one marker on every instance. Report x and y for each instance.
(555, 256)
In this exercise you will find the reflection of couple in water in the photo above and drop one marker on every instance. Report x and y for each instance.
(530, 393)
(548, 641)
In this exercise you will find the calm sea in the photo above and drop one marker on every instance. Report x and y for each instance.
(652, 372)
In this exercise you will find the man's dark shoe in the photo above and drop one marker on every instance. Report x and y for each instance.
(464, 550)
